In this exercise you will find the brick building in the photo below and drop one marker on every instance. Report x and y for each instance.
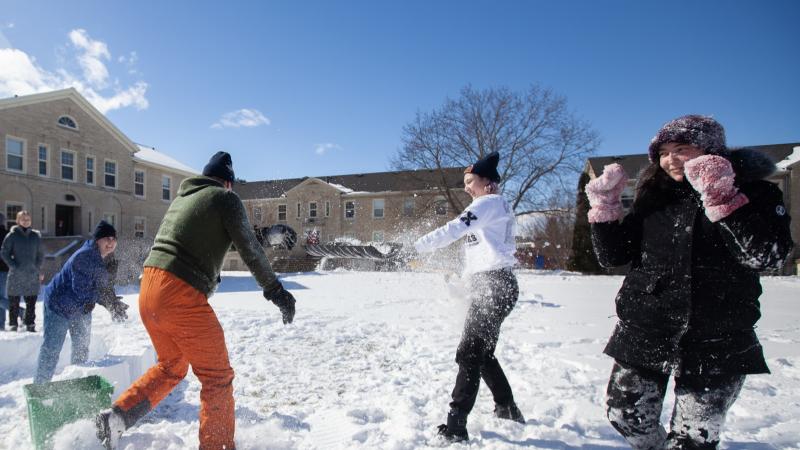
(69, 166)
(372, 207)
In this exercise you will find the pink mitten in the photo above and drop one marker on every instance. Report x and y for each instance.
(605, 192)
(712, 176)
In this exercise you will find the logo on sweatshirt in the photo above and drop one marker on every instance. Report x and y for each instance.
(780, 210)
(468, 217)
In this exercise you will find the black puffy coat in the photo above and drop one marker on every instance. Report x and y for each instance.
(689, 303)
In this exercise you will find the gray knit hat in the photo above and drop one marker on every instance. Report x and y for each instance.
(701, 131)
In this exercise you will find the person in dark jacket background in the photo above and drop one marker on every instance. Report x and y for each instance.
(703, 224)
(22, 252)
(70, 297)
(3, 277)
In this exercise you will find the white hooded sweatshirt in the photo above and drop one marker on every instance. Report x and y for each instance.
(490, 228)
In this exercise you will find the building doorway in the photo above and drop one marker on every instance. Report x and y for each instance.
(65, 220)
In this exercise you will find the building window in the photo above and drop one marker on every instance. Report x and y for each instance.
(377, 236)
(138, 183)
(15, 154)
(110, 174)
(43, 160)
(166, 188)
(67, 165)
(298, 210)
(440, 206)
(110, 218)
(257, 214)
(312, 209)
(90, 170)
(327, 209)
(378, 206)
(43, 223)
(349, 210)
(281, 213)
(408, 207)
(67, 122)
(12, 208)
(139, 225)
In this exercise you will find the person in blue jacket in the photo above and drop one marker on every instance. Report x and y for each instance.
(85, 280)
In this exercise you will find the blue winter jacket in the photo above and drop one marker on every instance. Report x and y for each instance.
(78, 283)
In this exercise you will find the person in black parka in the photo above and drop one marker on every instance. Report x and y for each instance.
(22, 252)
(703, 224)
(3, 277)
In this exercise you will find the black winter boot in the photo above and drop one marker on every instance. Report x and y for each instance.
(509, 412)
(456, 428)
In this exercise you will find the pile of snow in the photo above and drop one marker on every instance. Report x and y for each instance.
(369, 363)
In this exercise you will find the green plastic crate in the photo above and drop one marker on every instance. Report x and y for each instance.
(53, 405)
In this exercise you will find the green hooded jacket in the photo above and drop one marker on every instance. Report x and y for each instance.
(197, 231)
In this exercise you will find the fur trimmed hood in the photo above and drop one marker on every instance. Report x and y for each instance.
(21, 231)
(750, 165)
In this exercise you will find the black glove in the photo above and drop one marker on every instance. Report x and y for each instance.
(115, 306)
(283, 299)
(87, 308)
(118, 309)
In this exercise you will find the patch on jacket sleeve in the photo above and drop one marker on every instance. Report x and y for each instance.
(468, 217)
(779, 210)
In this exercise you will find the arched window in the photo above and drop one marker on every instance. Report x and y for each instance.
(68, 122)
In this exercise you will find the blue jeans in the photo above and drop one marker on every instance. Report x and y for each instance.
(3, 297)
(55, 331)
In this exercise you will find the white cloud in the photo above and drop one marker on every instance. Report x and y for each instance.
(241, 118)
(321, 149)
(130, 62)
(92, 54)
(20, 75)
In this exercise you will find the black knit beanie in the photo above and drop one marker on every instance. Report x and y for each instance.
(701, 131)
(220, 166)
(486, 167)
(104, 229)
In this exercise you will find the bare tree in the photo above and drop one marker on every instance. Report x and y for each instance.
(549, 233)
(543, 146)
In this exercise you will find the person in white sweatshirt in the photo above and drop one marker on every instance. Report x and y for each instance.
(488, 228)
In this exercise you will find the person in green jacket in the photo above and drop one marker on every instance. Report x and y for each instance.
(180, 273)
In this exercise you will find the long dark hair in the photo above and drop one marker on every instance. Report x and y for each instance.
(653, 188)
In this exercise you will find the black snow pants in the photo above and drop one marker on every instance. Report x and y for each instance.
(13, 310)
(494, 295)
(636, 396)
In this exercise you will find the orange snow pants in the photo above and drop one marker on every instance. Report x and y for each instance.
(185, 331)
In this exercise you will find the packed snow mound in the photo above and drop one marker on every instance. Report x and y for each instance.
(369, 364)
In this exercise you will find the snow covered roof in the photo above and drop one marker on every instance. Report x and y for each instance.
(152, 156)
(344, 189)
(790, 160)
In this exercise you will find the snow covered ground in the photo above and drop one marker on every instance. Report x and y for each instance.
(368, 363)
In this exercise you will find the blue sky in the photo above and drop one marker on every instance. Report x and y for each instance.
(313, 88)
